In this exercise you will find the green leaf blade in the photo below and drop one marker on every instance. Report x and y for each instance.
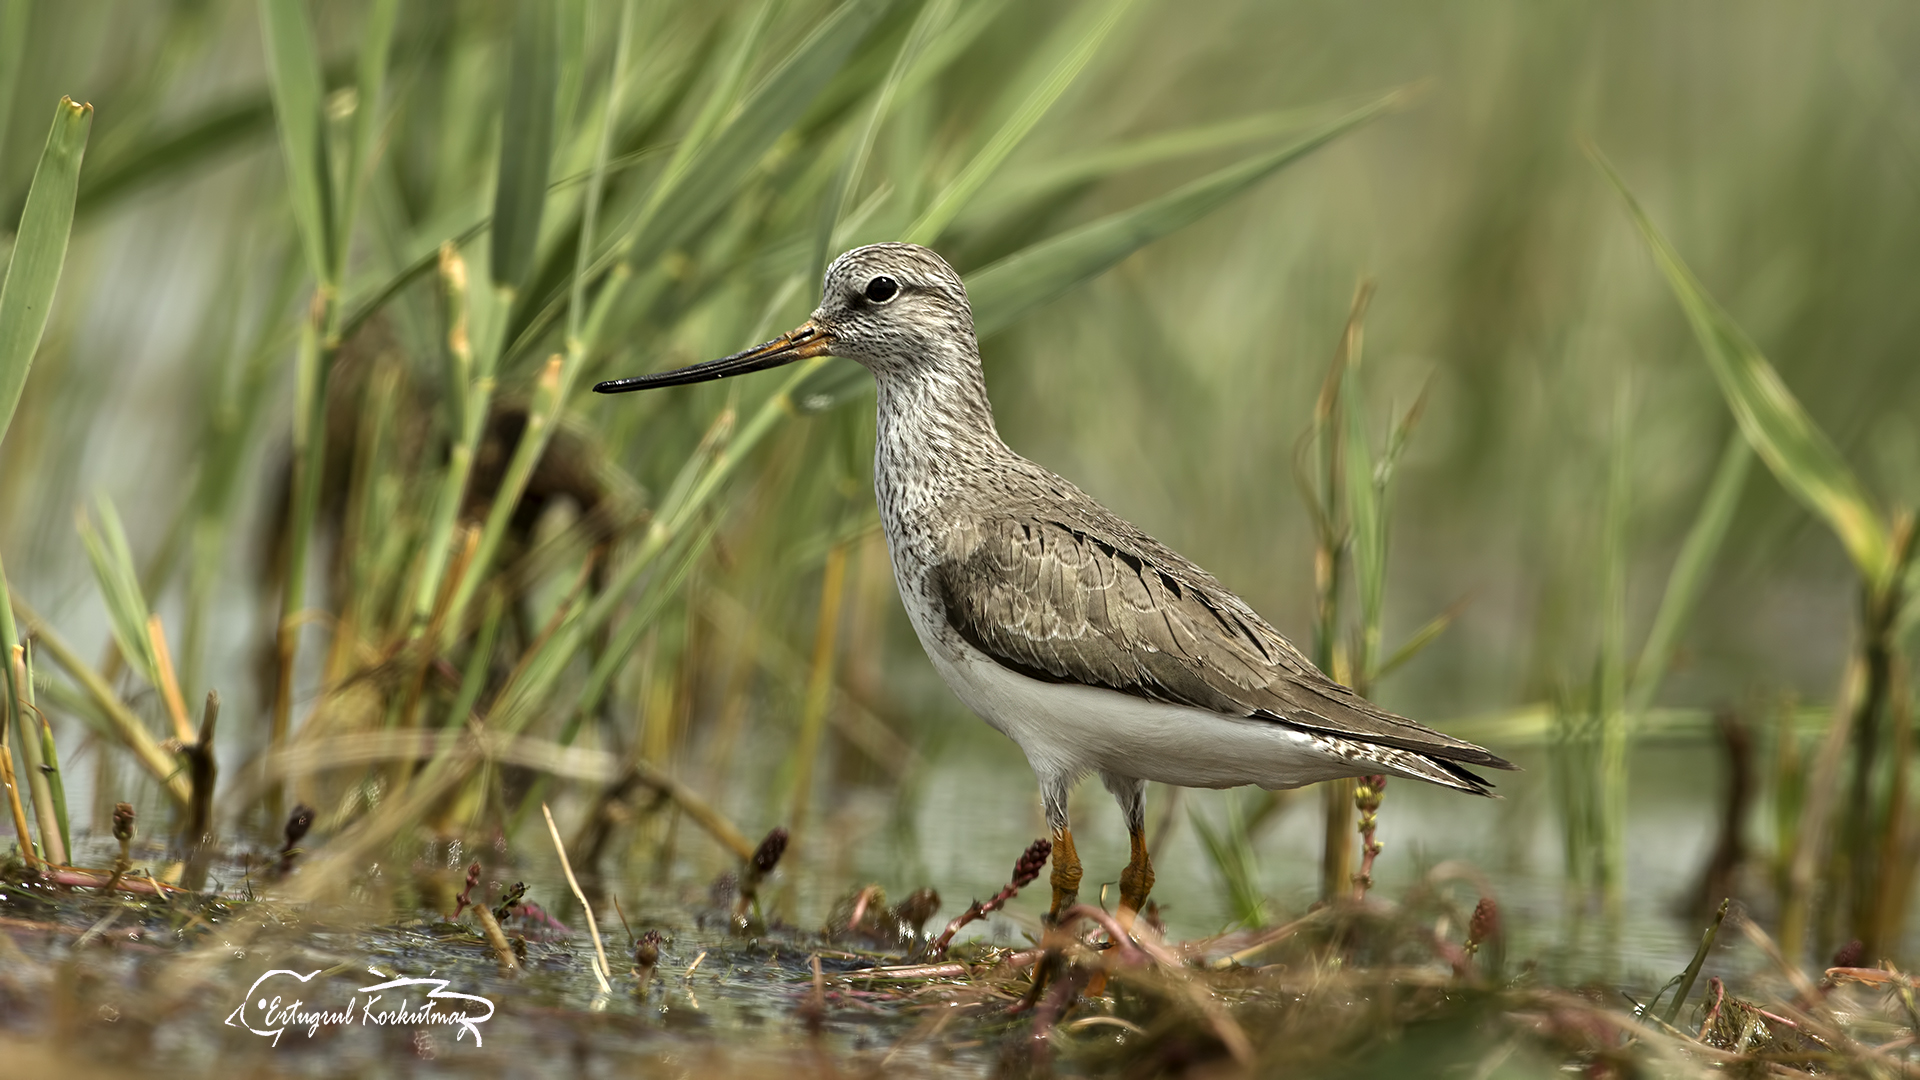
(370, 86)
(961, 190)
(1369, 530)
(1795, 449)
(293, 69)
(1008, 289)
(1044, 181)
(39, 251)
(119, 582)
(526, 143)
(1689, 575)
(723, 164)
(220, 129)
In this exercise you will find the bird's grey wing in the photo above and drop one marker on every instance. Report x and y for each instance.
(1084, 597)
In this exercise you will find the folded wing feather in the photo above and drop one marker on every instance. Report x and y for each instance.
(1065, 591)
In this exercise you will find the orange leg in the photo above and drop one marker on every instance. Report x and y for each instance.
(1136, 881)
(1066, 873)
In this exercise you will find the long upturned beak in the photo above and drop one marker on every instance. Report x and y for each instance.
(808, 340)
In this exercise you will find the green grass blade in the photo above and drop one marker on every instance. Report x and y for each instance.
(1420, 640)
(1689, 575)
(1317, 474)
(625, 636)
(1230, 850)
(725, 93)
(966, 27)
(14, 18)
(224, 127)
(553, 387)
(375, 44)
(717, 169)
(479, 660)
(293, 68)
(928, 25)
(596, 185)
(1040, 183)
(39, 251)
(1610, 673)
(420, 267)
(1008, 289)
(30, 739)
(571, 47)
(1369, 532)
(119, 580)
(948, 204)
(9, 692)
(50, 765)
(153, 757)
(526, 143)
(1613, 554)
(1794, 448)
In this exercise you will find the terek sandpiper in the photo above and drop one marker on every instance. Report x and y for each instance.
(1092, 646)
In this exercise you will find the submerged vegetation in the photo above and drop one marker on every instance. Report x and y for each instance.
(342, 629)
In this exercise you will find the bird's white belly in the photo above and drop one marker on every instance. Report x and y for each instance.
(1069, 730)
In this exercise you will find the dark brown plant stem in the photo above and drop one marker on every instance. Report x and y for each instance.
(1699, 958)
(1366, 798)
(319, 342)
(510, 900)
(123, 818)
(1811, 840)
(1897, 839)
(1058, 998)
(202, 774)
(1881, 603)
(1730, 848)
(298, 822)
(761, 866)
(1031, 862)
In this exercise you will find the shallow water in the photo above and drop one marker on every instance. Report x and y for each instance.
(724, 1004)
(978, 809)
(140, 991)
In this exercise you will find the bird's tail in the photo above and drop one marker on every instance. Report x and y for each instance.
(1393, 761)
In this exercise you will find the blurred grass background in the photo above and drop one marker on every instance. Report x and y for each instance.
(1777, 145)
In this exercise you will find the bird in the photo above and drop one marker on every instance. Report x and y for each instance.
(1092, 646)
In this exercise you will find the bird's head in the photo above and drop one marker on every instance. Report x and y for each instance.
(894, 308)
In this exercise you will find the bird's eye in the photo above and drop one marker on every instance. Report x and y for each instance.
(882, 289)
